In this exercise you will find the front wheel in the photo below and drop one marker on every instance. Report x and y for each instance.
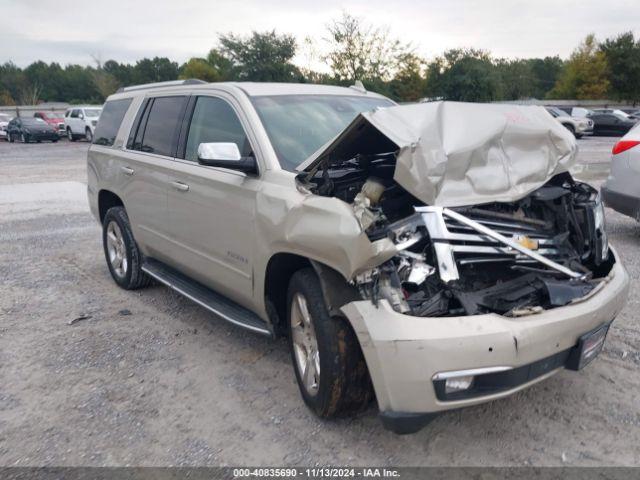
(88, 135)
(24, 138)
(70, 135)
(121, 251)
(329, 366)
(570, 128)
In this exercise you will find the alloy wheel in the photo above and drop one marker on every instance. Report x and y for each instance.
(305, 344)
(116, 249)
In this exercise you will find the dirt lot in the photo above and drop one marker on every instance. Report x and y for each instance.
(149, 378)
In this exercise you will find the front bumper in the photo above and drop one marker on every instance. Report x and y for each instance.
(404, 353)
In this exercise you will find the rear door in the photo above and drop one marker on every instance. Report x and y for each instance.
(212, 210)
(143, 170)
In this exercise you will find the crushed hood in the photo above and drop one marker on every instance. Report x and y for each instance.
(454, 154)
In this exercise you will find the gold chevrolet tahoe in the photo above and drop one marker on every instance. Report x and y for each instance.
(431, 256)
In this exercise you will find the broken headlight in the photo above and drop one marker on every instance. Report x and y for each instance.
(602, 242)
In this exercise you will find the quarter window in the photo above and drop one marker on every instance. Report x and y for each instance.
(110, 120)
(214, 120)
(161, 130)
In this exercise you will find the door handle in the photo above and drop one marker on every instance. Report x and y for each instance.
(127, 170)
(183, 187)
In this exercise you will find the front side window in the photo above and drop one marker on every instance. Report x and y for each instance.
(110, 121)
(214, 120)
(161, 130)
(298, 125)
(75, 113)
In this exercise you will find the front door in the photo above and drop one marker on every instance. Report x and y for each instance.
(212, 210)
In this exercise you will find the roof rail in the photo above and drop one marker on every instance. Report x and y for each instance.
(171, 83)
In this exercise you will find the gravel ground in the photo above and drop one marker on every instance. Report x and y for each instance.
(149, 378)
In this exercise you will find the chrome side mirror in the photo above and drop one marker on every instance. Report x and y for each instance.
(225, 155)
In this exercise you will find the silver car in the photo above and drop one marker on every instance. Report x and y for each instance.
(431, 256)
(621, 191)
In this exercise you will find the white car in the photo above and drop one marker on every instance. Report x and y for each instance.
(81, 121)
(4, 121)
(621, 191)
(576, 125)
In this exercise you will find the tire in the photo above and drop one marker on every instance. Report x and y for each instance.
(578, 136)
(10, 138)
(55, 140)
(570, 128)
(121, 251)
(70, 135)
(342, 386)
(88, 135)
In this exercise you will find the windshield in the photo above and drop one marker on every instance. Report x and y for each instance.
(558, 112)
(92, 112)
(298, 125)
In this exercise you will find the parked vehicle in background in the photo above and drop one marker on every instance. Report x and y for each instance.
(615, 111)
(56, 120)
(4, 121)
(634, 114)
(612, 124)
(81, 121)
(31, 129)
(392, 263)
(577, 112)
(621, 191)
(577, 126)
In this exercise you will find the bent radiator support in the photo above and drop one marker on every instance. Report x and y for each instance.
(486, 241)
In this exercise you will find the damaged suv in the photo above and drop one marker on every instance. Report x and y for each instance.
(430, 256)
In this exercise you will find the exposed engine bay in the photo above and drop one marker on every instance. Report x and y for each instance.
(542, 251)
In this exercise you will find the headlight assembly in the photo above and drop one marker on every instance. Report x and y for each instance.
(600, 230)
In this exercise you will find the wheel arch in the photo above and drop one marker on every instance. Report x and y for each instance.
(106, 200)
(336, 290)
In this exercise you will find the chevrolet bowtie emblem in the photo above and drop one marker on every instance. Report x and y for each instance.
(526, 242)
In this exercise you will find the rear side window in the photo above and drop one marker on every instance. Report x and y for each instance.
(160, 134)
(214, 120)
(110, 120)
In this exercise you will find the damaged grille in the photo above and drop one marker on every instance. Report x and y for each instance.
(458, 244)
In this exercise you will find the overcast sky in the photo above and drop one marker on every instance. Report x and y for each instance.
(72, 31)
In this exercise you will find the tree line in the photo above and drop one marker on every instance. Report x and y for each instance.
(354, 50)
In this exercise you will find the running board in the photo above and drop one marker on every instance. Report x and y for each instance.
(214, 302)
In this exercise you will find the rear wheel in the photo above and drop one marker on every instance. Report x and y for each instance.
(329, 366)
(121, 251)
